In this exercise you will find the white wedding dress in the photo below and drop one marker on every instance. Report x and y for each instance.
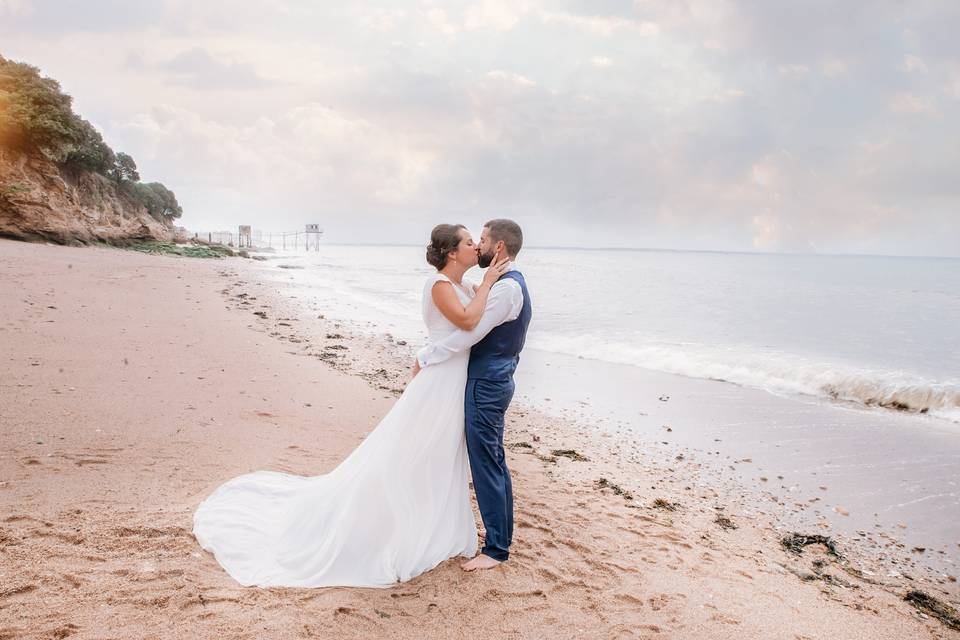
(397, 506)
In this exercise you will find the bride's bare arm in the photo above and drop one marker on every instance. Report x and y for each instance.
(504, 303)
(466, 317)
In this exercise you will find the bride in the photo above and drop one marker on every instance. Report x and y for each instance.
(399, 504)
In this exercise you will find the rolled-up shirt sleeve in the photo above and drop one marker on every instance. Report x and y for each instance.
(503, 305)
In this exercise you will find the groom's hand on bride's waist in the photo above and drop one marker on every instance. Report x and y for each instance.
(416, 368)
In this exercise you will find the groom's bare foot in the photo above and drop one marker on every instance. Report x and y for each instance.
(479, 563)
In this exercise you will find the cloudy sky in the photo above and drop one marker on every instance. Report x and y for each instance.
(709, 124)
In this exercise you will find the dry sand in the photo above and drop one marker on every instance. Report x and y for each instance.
(133, 385)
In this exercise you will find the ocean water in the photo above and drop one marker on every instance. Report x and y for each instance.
(837, 377)
(858, 330)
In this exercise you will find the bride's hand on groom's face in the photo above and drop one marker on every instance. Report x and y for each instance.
(496, 269)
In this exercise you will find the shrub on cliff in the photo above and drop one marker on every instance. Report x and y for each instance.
(90, 153)
(159, 201)
(124, 169)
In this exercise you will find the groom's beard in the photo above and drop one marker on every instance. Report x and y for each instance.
(485, 260)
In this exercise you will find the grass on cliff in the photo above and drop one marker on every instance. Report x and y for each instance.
(189, 251)
(12, 189)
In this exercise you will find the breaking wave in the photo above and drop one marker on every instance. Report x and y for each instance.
(777, 372)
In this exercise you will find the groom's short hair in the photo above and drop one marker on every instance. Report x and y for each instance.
(508, 231)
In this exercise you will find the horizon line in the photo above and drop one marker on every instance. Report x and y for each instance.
(674, 250)
(651, 249)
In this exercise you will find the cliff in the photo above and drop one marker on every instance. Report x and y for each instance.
(40, 201)
(60, 181)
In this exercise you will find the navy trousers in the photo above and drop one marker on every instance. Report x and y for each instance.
(485, 405)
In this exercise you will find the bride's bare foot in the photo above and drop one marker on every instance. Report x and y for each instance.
(479, 563)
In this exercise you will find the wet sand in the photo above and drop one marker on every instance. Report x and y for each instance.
(133, 385)
(877, 477)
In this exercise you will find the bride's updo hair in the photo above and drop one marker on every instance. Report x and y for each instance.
(443, 239)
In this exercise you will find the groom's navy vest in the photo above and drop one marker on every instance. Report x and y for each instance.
(496, 356)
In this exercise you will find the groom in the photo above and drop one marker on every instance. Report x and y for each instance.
(496, 343)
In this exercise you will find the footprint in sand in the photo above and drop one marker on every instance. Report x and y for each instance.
(629, 599)
(19, 518)
(72, 580)
(548, 575)
(204, 600)
(341, 612)
(662, 600)
(725, 619)
(63, 631)
(86, 461)
(16, 590)
(499, 596)
(69, 538)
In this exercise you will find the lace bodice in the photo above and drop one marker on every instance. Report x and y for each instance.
(438, 327)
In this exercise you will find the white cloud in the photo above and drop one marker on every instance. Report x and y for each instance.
(441, 22)
(601, 62)
(727, 95)
(913, 64)
(766, 231)
(765, 173)
(600, 25)
(874, 147)
(509, 76)
(496, 14)
(832, 66)
(383, 20)
(793, 69)
(309, 151)
(910, 103)
(952, 88)
(13, 7)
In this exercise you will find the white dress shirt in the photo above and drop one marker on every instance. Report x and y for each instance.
(504, 303)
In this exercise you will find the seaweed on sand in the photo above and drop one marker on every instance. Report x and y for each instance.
(933, 607)
(603, 483)
(569, 453)
(795, 543)
(665, 505)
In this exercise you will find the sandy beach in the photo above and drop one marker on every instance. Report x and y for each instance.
(134, 384)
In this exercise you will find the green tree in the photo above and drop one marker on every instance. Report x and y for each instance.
(160, 202)
(124, 169)
(91, 153)
(169, 207)
(34, 113)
